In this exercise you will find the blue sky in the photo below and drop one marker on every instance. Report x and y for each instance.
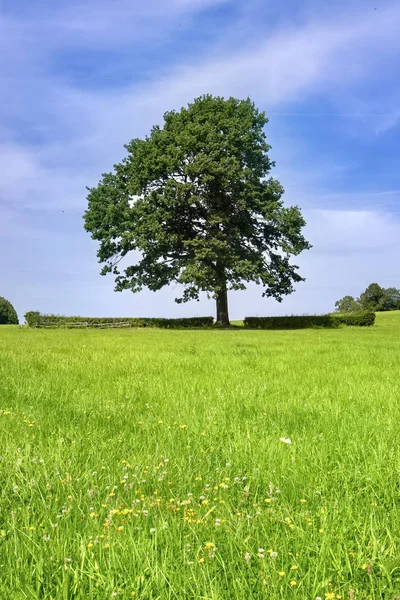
(80, 78)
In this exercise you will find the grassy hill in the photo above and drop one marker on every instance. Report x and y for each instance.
(200, 464)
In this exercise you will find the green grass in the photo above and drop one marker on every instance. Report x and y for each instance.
(150, 462)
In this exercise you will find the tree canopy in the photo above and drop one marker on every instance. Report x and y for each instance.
(195, 199)
(374, 298)
(8, 314)
(347, 304)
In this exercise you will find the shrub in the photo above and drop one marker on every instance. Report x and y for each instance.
(292, 322)
(32, 317)
(8, 314)
(360, 319)
(307, 321)
(35, 319)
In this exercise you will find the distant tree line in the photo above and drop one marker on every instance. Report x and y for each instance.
(374, 298)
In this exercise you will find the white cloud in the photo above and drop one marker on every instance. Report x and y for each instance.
(72, 135)
(84, 131)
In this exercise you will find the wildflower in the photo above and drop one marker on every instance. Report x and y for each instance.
(329, 595)
(293, 583)
(281, 573)
(247, 556)
(211, 548)
(303, 501)
(267, 500)
(364, 566)
(285, 440)
(201, 559)
(153, 530)
(121, 528)
(90, 545)
(273, 555)
(106, 545)
(294, 568)
(209, 545)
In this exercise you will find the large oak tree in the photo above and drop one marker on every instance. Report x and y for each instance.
(196, 200)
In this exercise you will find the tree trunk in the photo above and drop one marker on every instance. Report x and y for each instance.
(222, 308)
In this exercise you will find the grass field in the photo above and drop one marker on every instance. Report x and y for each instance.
(149, 464)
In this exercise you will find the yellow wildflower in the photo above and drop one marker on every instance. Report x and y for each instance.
(294, 568)
(293, 583)
(281, 573)
(329, 595)
(209, 545)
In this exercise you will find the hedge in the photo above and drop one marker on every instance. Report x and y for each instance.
(307, 321)
(36, 319)
(360, 319)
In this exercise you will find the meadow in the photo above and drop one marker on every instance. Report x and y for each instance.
(213, 465)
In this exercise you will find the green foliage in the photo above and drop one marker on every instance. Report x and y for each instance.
(35, 319)
(361, 319)
(375, 298)
(32, 317)
(347, 304)
(290, 322)
(195, 200)
(8, 314)
(307, 321)
(390, 300)
(372, 297)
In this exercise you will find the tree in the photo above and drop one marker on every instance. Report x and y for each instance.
(390, 299)
(372, 298)
(375, 298)
(194, 199)
(8, 315)
(347, 304)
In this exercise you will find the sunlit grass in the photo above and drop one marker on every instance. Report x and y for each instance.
(149, 463)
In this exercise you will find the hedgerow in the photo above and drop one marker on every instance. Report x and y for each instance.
(36, 319)
(308, 321)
